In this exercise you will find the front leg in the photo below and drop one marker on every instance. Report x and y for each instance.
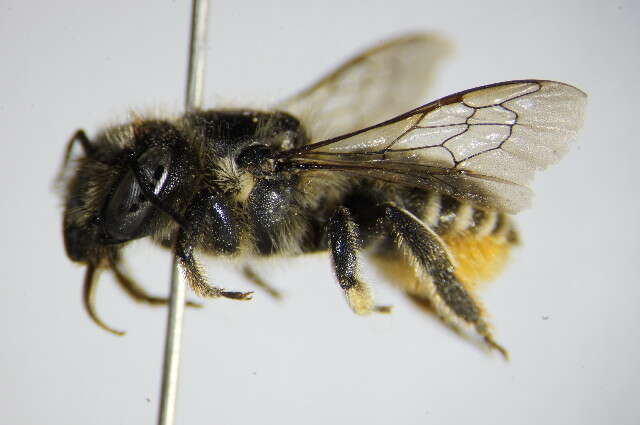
(195, 278)
(209, 223)
(193, 272)
(344, 244)
(435, 272)
(134, 290)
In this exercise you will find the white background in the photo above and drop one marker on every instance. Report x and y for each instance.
(566, 308)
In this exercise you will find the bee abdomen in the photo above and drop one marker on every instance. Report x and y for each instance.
(478, 239)
(447, 215)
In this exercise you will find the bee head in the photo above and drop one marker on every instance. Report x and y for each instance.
(127, 186)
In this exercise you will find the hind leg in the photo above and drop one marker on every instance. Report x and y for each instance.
(435, 272)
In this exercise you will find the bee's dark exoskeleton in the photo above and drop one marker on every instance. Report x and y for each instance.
(427, 192)
(178, 183)
(209, 181)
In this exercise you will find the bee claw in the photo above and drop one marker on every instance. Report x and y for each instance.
(242, 296)
(383, 309)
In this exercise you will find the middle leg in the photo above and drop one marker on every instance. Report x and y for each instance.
(344, 244)
(254, 278)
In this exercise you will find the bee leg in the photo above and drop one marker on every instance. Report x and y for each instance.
(137, 292)
(253, 277)
(344, 244)
(193, 272)
(436, 274)
(89, 299)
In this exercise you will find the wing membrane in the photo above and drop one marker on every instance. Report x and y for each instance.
(379, 83)
(481, 145)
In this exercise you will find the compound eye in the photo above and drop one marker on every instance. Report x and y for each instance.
(127, 210)
(154, 165)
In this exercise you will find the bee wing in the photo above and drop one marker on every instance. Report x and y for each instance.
(377, 84)
(481, 145)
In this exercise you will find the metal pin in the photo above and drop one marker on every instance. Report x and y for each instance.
(197, 47)
(173, 339)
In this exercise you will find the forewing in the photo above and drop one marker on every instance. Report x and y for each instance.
(380, 83)
(481, 145)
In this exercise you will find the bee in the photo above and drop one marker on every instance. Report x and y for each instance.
(336, 168)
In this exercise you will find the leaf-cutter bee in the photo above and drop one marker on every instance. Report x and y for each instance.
(336, 168)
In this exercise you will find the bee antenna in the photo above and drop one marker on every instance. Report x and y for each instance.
(89, 298)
